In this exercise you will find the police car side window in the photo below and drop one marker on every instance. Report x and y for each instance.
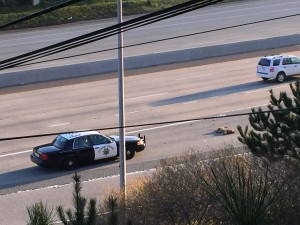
(276, 62)
(81, 142)
(98, 140)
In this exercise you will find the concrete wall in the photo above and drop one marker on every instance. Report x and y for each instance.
(142, 61)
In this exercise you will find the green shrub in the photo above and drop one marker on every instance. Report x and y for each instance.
(81, 215)
(89, 10)
(194, 190)
(40, 214)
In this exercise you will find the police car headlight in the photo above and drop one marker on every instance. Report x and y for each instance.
(141, 142)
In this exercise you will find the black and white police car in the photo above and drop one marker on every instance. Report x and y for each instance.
(71, 149)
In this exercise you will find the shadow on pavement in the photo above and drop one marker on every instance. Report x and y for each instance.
(37, 177)
(221, 92)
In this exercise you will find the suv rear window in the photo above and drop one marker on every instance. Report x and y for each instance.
(276, 62)
(264, 62)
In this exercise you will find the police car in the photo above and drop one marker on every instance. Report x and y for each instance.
(71, 149)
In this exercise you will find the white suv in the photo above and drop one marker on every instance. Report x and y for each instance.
(278, 67)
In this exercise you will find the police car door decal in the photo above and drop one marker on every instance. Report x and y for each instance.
(105, 150)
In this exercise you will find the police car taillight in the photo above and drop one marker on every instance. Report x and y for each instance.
(271, 69)
(44, 156)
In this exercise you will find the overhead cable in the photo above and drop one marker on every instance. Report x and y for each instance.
(153, 124)
(164, 39)
(107, 32)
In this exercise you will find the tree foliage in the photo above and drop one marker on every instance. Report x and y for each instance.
(225, 187)
(80, 216)
(248, 197)
(173, 195)
(275, 134)
(40, 214)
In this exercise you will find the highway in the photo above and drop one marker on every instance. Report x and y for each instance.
(214, 87)
(214, 17)
(179, 92)
(205, 88)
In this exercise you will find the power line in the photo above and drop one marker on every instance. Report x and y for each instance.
(165, 39)
(107, 32)
(153, 124)
(87, 38)
(40, 13)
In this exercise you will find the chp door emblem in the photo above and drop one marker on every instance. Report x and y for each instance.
(105, 150)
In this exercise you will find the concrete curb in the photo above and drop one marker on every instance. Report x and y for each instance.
(143, 61)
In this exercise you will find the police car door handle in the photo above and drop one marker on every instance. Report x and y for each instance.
(97, 148)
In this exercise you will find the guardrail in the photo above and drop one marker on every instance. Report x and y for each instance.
(142, 61)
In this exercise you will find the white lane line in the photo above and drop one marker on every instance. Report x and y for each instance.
(15, 153)
(132, 112)
(86, 181)
(146, 96)
(191, 102)
(180, 123)
(194, 77)
(152, 128)
(60, 124)
(159, 127)
(213, 18)
(250, 107)
(128, 113)
(207, 14)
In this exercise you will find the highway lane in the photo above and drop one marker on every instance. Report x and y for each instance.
(14, 43)
(185, 91)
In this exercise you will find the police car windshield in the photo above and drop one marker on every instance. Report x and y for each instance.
(59, 142)
(109, 138)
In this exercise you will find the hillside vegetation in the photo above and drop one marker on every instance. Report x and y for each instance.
(85, 10)
(82, 11)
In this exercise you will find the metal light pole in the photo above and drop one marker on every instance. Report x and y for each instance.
(122, 147)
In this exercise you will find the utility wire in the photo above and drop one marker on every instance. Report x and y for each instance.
(164, 39)
(152, 124)
(107, 32)
(50, 9)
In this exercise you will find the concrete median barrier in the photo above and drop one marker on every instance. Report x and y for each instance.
(142, 61)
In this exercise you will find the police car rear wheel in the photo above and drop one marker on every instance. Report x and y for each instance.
(70, 163)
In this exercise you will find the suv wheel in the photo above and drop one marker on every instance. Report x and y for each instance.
(280, 77)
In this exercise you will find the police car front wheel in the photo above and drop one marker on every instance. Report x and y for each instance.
(130, 154)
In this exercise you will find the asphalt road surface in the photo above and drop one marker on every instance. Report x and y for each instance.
(214, 17)
(179, 92)
(204, 88)
(214, 87)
